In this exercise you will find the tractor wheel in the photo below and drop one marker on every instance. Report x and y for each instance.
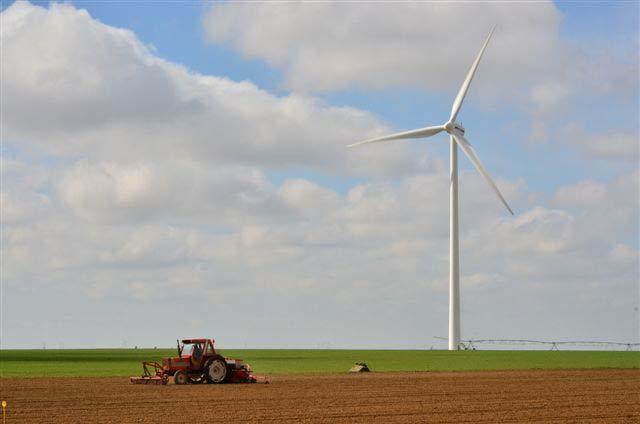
(180, 377)
(217, 371)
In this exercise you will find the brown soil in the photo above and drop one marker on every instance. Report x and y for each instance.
(506, 396)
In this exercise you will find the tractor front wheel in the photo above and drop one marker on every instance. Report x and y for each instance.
(180, 377)
(217, 371)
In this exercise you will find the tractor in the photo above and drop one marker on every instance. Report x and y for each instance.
(197, 362)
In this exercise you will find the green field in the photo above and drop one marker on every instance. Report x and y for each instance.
(125, 362)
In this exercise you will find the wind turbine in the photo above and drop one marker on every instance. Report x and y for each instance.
(456, 132)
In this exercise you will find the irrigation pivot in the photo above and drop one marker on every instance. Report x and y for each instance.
(456, 139)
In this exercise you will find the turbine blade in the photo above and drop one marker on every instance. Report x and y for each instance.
(465, 85)
(419, 133)
(471, 154)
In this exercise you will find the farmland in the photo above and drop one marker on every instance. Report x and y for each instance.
(313, 386)
(125, 362)
(585, 396)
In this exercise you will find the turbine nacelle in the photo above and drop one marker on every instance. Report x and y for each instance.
(451, 126)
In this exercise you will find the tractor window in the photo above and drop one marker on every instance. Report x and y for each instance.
(187, 349)
(197, 351)
(209, 350)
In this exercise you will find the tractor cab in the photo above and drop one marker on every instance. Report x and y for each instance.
(196, 350)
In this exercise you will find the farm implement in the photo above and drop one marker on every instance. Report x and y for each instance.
(197, 362)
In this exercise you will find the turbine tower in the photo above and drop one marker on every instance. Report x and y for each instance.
(456, 139)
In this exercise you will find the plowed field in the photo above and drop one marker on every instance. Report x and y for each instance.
(582, 396)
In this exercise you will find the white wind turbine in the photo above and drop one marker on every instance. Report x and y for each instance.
(456, 132)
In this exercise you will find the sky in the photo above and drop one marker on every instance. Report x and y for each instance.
(179, 169)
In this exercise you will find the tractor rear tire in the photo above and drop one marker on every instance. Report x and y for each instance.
(180, 377)
(217, 371)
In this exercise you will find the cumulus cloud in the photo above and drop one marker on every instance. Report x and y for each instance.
(584, 194)
(379, 245)
(329, 46)
(59, 80)
(611, 209)
(624, 254)
(307, 196)
(106, 189)
(20, 206)
(179, 190)
(64, 96)
(612, 144)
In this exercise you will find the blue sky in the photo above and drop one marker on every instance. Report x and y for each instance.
(553, 113)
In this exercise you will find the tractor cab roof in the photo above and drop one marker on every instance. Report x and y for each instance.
(192, 341)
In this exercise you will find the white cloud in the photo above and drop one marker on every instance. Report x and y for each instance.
(624, 254)
(106, 190)
(612, 144)
(141, 291)
(59, 81)
(378, 242)
(306, 196)
(329, 46)
(22, 207)
(614, 205)
(64, 96)
(548, 95)
(584, 194)
(174, 190)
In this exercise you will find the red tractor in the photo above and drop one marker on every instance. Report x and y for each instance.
(197, 362)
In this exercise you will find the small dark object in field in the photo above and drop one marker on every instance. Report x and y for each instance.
(360, 367)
